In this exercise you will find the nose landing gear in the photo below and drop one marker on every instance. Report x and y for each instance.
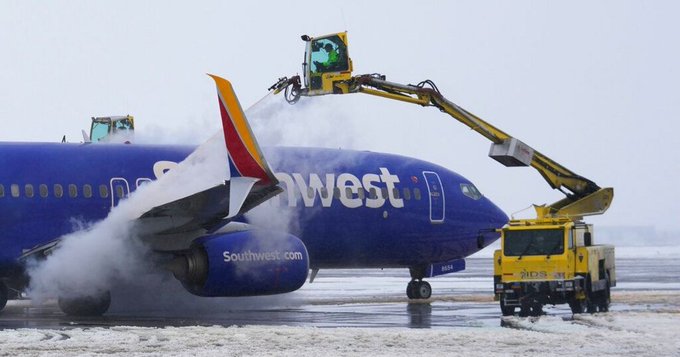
(418, 289)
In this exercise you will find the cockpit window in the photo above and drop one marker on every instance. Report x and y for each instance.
(470, 190)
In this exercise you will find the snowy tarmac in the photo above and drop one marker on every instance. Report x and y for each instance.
(349, 312)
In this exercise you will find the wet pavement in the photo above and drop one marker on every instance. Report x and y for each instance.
(352, 298)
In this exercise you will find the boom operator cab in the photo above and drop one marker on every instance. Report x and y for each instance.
(119, 129)
(326, 63)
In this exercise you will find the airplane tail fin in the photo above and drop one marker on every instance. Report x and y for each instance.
(245, 156)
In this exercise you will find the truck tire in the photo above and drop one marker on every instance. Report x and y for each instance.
(591, 306)
(577, 306)
(605, 297)
(506, 310)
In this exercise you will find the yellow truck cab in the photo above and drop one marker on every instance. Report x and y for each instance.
(552, 261)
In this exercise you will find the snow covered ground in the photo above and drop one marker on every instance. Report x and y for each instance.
(612, 334)
(342, 314)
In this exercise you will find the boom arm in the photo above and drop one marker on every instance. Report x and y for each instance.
(583, 196)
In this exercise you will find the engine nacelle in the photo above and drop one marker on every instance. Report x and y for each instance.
(245, 263)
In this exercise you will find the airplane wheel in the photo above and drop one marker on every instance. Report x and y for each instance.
(86, 305)
(418, 290)
(4, 295)
(411, 289)
(424, 290)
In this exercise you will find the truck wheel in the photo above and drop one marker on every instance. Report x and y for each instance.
(605, 298)
(591, 306)
(506, 310)
(577, 306)
(537, 309)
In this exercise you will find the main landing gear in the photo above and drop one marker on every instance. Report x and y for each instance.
(95, 305)
(418, 288)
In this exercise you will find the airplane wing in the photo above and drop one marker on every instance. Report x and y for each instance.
(251, 182)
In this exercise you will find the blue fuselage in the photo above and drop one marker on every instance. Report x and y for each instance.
(350, 208)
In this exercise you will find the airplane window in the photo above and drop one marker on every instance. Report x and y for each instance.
(336, 193)
(416, 194)
(372, 193)
(119, 191)
(395, 192)
(29, 190)
(58, 191)
(383, 192)
(73, 190)
(2, 191)
(324, 192)
(348, 192)
(407, 193)
(470, 190)
(87, 191)
(15, 190)
(103, 191)
(310, 192)
(362, 193)
(43, 190)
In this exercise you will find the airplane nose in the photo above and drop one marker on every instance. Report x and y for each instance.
(495, 219)
(498, 218)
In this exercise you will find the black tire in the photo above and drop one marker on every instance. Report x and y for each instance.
(577, 306)
(424, 290)
(4, 295)
(411, 289)
(605, 297)
(524, 311)
(506, 310)
(591, 306)
(86, 305)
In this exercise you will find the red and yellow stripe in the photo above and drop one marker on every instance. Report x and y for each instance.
(244, 152)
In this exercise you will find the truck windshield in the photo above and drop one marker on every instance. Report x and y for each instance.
(533, 242)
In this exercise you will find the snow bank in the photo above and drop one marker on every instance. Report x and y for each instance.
(611, 334)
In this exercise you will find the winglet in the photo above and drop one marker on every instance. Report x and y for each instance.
(245, 156)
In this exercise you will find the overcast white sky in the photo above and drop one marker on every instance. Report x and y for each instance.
(594, 85)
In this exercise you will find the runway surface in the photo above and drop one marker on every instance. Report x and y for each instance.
(353, 298)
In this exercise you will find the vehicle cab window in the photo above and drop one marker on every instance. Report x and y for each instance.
(329, 54)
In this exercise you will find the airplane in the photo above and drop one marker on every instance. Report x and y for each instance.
(343, 209)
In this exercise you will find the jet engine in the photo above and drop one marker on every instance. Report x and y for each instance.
(244, 263)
